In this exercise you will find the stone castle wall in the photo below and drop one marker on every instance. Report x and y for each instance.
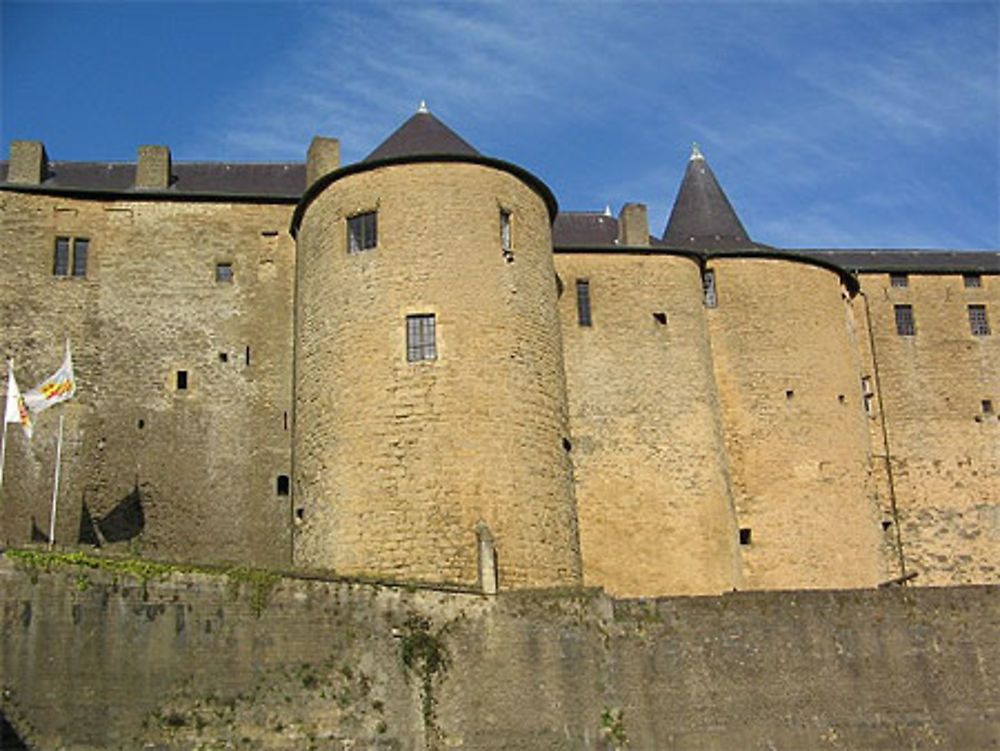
(396, 462)
(90, 660)
(202, 461)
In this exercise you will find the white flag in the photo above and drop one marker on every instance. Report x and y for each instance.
(15, 410)
(58, 387)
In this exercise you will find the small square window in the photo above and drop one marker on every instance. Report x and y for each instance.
(583, 302)
(978, 322)
(60, 259)
(362, 232)
(711, 298)
(905, 323)
(421, 338)
(80, 247)
(899, 280)
(987, 406)
(224, 272)
(746, 535)
(972, 280)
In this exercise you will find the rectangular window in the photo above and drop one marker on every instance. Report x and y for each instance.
(224, 272)
(80, 247)
(505, 240)
(905, 323)
(362, 232)
(583, 302)
(182, 380)
(977, 320)
(972, 280)
(421, 342)
(708, 288)
(987, 406)
(60, 260)
(899, 280)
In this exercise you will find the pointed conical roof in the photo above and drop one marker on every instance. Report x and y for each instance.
(422, 134)
(702, 216)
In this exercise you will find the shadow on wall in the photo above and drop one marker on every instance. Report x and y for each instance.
(9, 739)
(124, 522)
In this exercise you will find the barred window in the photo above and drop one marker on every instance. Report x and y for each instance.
(977, 320)
(80, 247)
(421, 341)
(60, 260)
(972, 280)
(583, 302)
(905, 323)
(899, 280)
(66, 264)
(362, 232)
(708, 288)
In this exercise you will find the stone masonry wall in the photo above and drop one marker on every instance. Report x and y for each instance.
(92, 660)
(788, 369)
(396, 462)
(944, 442)
(202, 463)
(656, 512)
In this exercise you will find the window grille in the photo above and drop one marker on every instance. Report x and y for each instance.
(708, 288)
(362, 232)
(977, 320)
(60, 260)
(583, 302)
(899, 280)
(905, 323)
(421, 343)
(80, 247)
(972, 280)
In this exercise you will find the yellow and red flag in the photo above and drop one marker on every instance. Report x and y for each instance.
(16, 411)
(58, 387)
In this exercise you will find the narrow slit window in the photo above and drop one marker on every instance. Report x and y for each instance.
(362, 232)
(899, 280)
(583, 302)
(978, 322)
(80, 247)
(421, 338)
(283, 485)
(708, 288)
(505, 236)
(972, 280)
(60, 258)
(906, 324)
(182, 380)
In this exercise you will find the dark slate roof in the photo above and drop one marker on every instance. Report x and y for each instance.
(578, 228)
(913, 261)
(278, 181)
(422, 134)
(702, 217)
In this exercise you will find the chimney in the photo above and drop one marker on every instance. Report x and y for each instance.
(324, 156)
(28, 162)
(633, 225)
(153, 169)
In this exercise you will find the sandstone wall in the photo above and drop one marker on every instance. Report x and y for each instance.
(944, 443)
(204, 461)
(396, 462)
(788, 370)
(655, 508)
(94, 661)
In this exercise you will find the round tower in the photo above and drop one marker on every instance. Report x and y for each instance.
(430, 407)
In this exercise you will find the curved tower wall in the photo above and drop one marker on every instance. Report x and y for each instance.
(788, 376)
(655, 508)
(397, 462)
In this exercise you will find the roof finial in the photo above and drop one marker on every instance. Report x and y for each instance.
(696, 151)
(422, 109)
(607, 210)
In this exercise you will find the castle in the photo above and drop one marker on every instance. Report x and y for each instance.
(415, 367)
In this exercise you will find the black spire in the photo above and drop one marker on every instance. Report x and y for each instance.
(702, 217)
(422, 134)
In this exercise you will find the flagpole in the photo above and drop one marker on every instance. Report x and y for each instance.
(55, 490)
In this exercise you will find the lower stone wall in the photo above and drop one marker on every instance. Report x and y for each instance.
(90, 659)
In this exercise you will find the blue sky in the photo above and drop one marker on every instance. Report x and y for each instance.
(829, 124)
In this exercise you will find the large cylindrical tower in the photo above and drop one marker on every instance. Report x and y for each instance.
(431, 415)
